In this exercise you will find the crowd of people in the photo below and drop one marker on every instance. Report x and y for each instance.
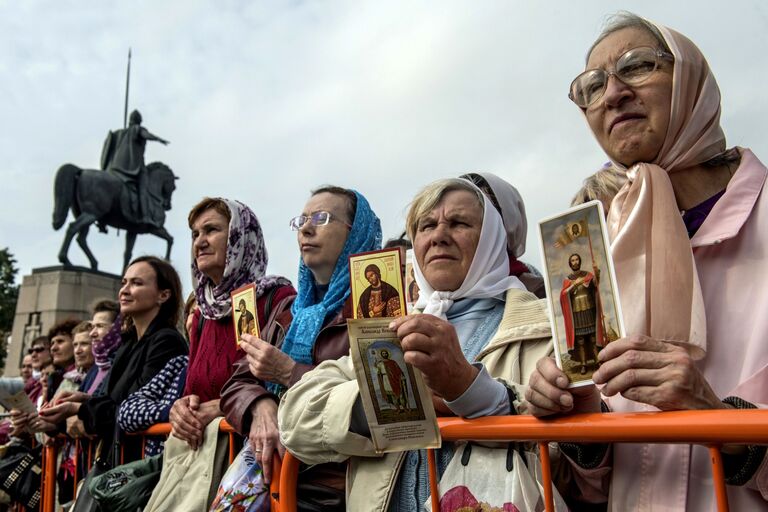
(687, 221)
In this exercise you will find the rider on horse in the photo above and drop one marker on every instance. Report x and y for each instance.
(123, 157)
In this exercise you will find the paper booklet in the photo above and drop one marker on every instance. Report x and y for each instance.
(18, 401)
(397, 402)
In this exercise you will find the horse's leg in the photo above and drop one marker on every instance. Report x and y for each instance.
(163, 233)
(81, 241)
(84, 220)
(130, 241)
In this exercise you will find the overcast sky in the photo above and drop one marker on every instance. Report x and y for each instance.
(263, 101)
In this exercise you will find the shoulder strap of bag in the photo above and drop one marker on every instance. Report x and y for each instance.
(200, 324)
(268, 305)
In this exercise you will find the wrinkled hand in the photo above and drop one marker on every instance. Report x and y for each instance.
(72, 396)
(548, 392)
(208, 411)
(264, 435)
(75, 428)
(20, 422)
(266, 362)
(185, 424)
(655, 373)
(58, 413)
(189, 417)
(431, 345)
(38, 424)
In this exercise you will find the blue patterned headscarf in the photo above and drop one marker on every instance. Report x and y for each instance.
(308, 317)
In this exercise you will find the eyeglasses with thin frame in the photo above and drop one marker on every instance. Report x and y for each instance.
(632, 68)
(320, 218)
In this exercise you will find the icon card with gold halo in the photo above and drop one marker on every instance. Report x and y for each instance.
(411, 287)
(376, 281)
(396, 400)
(582, 295)
(245, 317)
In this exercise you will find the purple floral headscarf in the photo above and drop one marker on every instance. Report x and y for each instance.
(106, 346)
(246, 263)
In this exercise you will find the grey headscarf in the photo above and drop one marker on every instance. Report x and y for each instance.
(508, 201)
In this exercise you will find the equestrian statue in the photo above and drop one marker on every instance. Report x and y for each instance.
(125, 193)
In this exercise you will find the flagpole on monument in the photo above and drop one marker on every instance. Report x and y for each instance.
(127, 87)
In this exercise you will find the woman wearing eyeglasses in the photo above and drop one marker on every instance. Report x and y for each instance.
(688, 233)
(334, 224)
(479, 336)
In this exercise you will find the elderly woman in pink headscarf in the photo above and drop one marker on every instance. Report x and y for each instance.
(688, 234)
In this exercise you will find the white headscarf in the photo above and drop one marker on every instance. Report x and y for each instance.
(488, 275)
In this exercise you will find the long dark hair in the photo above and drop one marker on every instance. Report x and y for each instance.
(167, 279)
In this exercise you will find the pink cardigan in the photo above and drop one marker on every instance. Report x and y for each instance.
(731, 252)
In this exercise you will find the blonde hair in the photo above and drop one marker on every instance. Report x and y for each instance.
(603, 185)
(431, 195)
(84, 326)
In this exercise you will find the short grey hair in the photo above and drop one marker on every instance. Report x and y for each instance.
(626, 19)
(604, 184)
(431, 195)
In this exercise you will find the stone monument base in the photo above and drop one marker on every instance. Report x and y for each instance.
(49, 295)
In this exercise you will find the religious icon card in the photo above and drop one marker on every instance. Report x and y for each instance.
(376, 279)
(581, 288)
(411, 287)
(244, 314)
(396, 401)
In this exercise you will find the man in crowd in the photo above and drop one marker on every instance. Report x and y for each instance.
(41, 358)
(26, 368)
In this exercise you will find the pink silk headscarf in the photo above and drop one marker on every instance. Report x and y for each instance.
(655, 270)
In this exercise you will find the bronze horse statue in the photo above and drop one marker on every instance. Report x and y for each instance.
(100, 196)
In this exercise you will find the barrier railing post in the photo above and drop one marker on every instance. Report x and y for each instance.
(76, 457)
(289, 476)
(546, 476)
(48, 497)
(718, 478)
(274, 485)
(434, 487)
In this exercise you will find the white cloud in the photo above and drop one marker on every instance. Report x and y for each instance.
(263, 101)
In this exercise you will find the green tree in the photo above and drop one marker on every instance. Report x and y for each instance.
(9, 294)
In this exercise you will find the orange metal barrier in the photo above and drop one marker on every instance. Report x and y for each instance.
(48, 494)
(708, 428)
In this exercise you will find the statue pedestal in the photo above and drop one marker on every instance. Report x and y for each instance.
(52, 294)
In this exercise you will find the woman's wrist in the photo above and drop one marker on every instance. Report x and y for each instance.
(287, 372)
(467, 377)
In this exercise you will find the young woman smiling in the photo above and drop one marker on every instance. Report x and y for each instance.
(150, 299)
